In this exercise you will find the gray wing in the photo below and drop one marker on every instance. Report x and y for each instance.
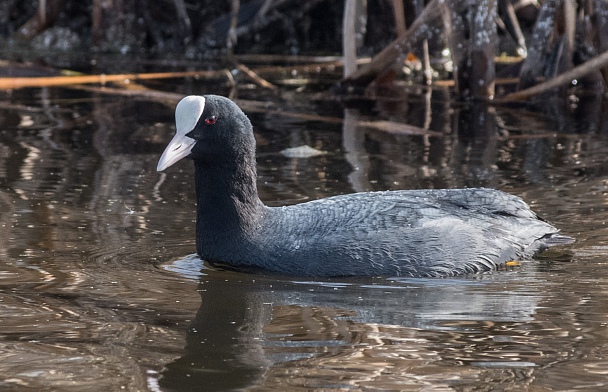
(411, 233)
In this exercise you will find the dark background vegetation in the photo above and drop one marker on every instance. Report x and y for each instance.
(544, 39)
(136, 26)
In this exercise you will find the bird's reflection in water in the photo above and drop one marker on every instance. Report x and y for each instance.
(263, 331)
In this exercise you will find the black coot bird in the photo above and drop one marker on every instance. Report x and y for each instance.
(417, 233)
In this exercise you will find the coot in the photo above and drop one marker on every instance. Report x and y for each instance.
(417, 233)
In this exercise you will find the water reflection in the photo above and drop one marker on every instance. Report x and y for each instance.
(86, 221)
(388, 333)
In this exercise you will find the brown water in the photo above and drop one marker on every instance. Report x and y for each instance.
(99, 290)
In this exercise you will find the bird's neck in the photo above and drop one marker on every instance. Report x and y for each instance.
(227, 196)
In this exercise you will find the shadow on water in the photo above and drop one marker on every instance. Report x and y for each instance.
(90, 299)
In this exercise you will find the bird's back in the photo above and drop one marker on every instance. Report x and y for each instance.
(402, 233)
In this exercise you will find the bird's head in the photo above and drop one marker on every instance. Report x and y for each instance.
(209, 128)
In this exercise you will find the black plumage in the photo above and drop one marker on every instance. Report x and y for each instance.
(418, 233)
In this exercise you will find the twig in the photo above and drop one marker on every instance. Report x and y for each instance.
(314, 67)
(280, 58)
(399, 16)
(398, 48)
(183, 23)
(15, 83)
(349, 44)
(594, 64)
(232, 38)
(255, 77)
(512, 25)
(535, 62)
(271, 15)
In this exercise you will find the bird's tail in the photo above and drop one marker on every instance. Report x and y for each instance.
(555, 239)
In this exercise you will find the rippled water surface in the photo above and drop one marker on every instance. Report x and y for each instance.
(99, 289)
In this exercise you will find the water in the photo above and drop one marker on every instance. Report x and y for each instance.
(99, 289)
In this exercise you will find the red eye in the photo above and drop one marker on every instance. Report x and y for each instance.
(210, 120)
